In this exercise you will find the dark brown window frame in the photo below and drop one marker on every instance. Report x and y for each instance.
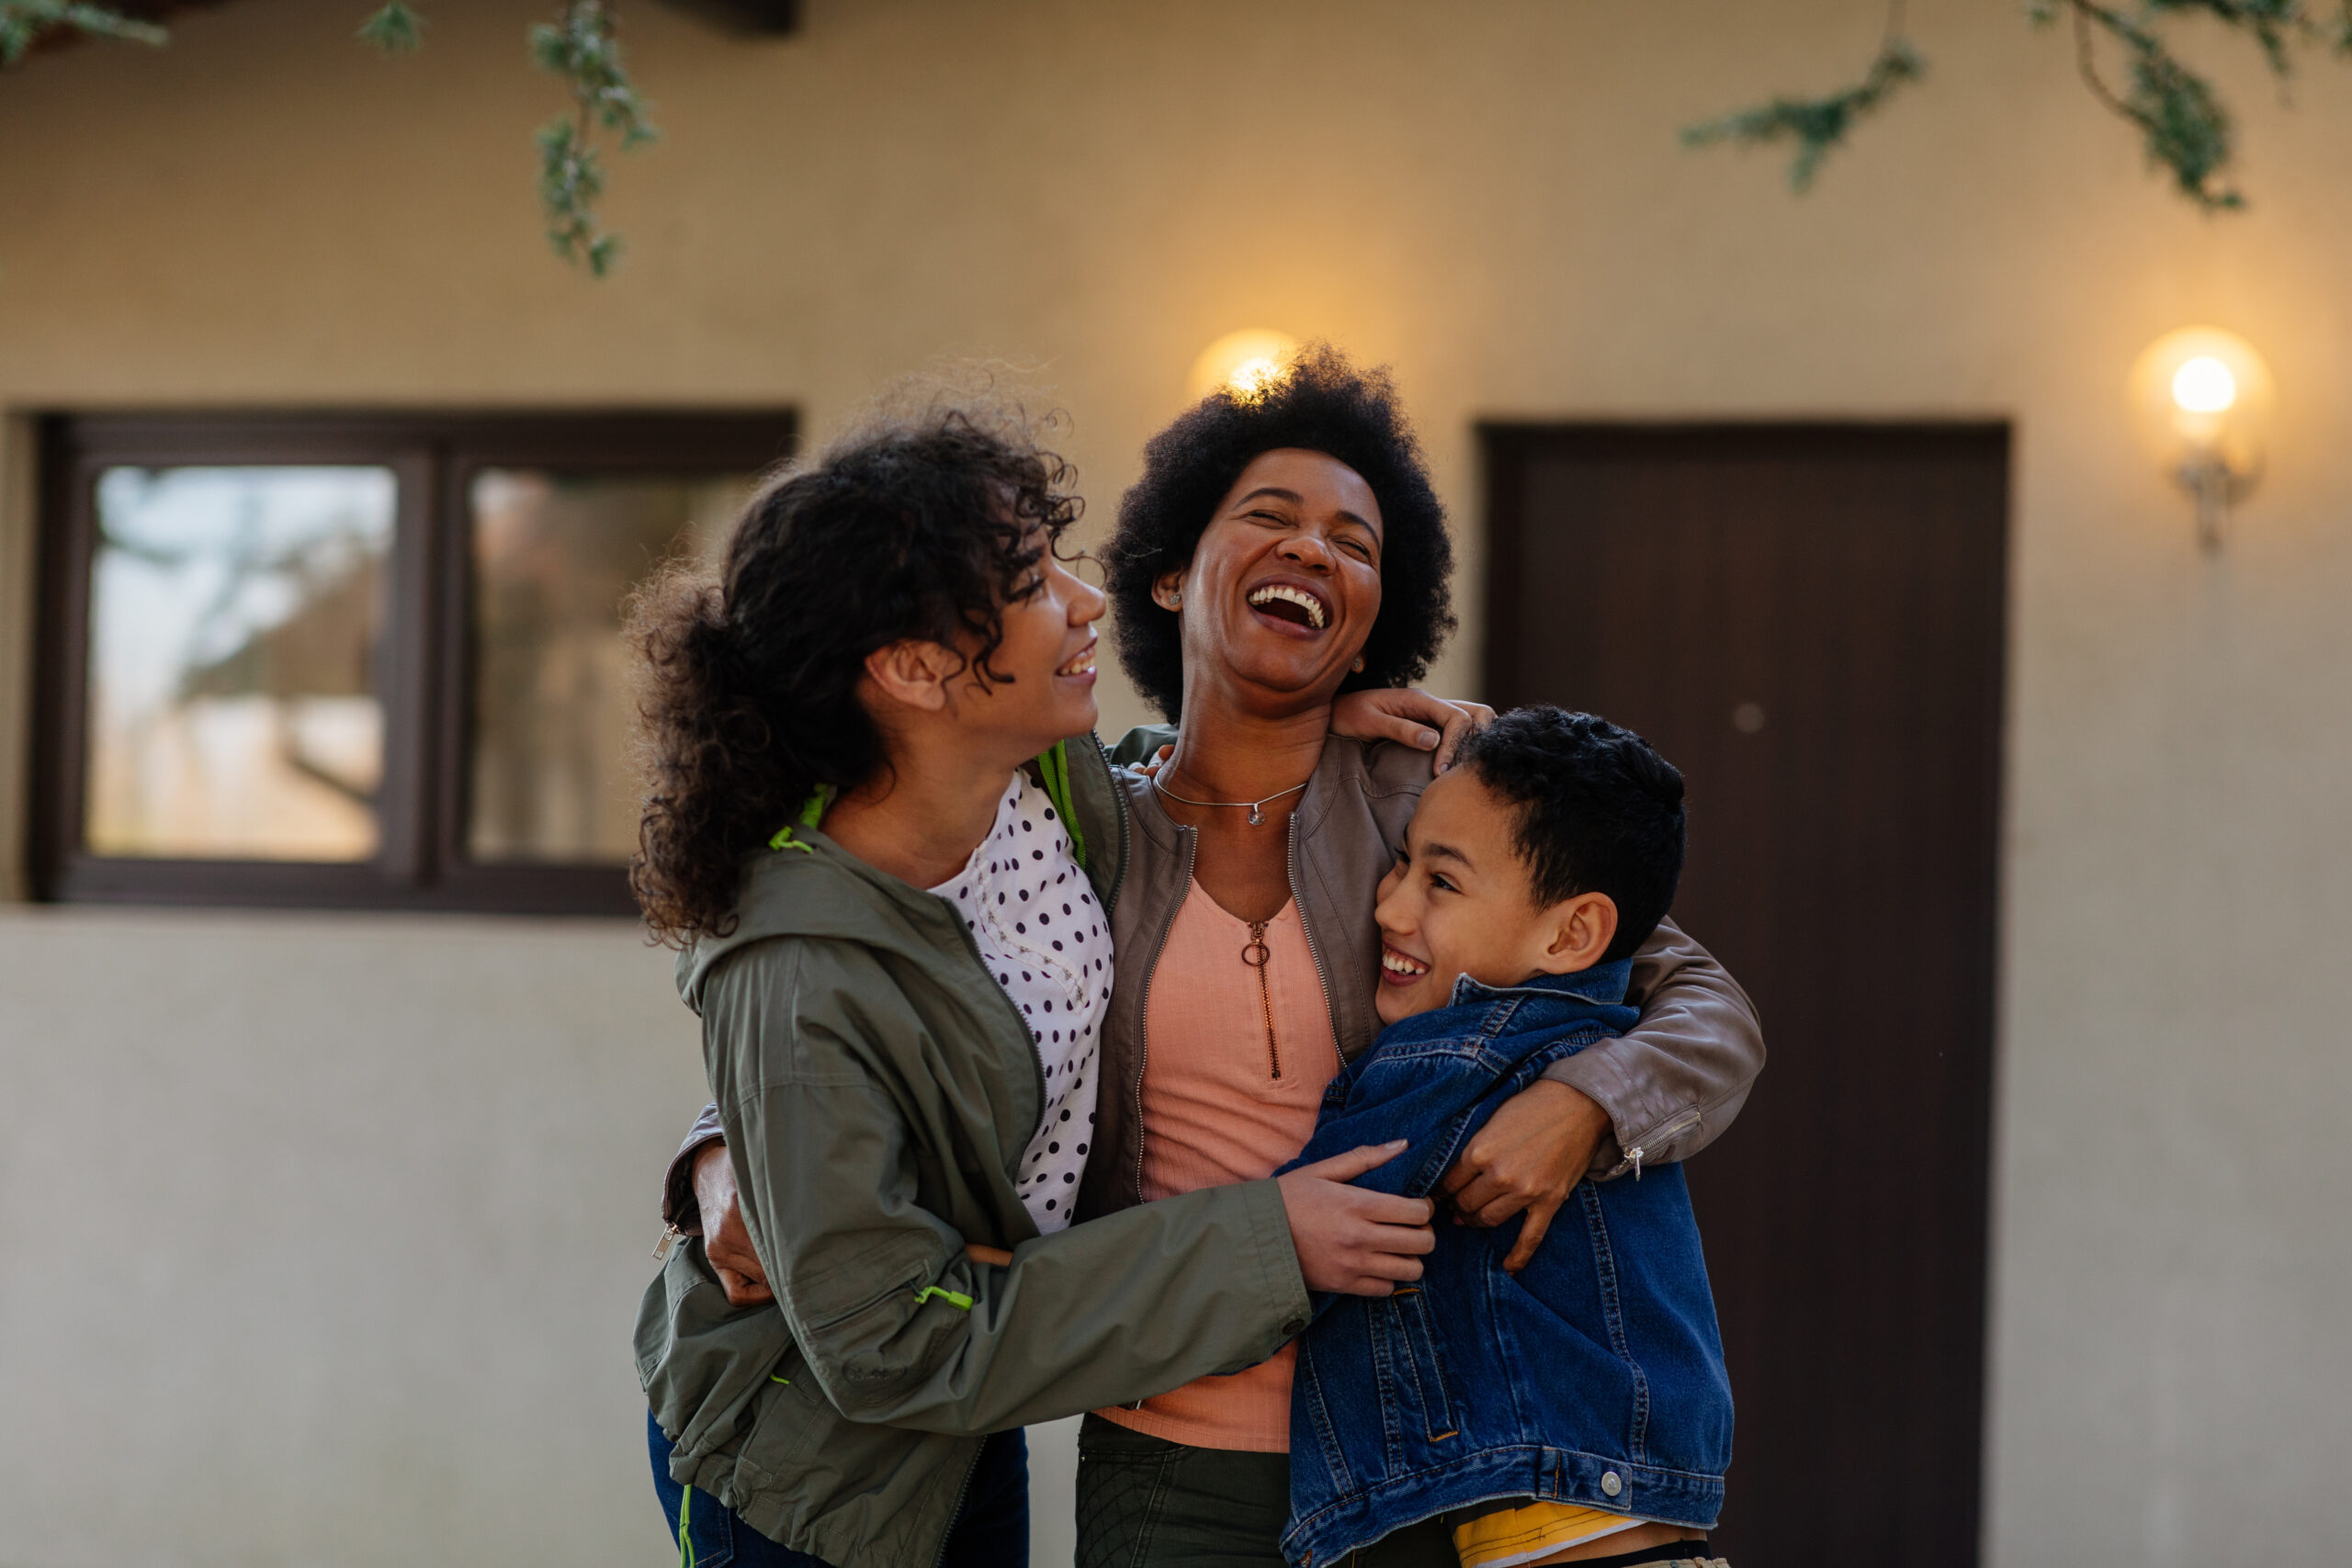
(426, 659)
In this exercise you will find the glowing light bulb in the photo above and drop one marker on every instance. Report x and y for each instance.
(2203, 397)
(2204, 385)
(1241, 363)
(1251, 373)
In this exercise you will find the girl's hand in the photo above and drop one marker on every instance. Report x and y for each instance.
(725, 1242)
(1409, 715)
(1349, 1240)
(1526, 1159)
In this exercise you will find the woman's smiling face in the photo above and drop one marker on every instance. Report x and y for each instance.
(1285, 585)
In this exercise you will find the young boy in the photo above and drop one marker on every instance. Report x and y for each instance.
(1576, 1411)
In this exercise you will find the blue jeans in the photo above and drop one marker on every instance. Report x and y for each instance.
(991, 1530)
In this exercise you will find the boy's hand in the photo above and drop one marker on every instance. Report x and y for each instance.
(1526, 1159)
(1408, 715)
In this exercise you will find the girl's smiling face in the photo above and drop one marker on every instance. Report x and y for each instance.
(1043, 689)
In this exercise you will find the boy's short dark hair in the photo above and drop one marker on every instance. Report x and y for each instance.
(1599, 811)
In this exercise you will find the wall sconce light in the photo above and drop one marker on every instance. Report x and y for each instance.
(2203, 397)
(1242, 361)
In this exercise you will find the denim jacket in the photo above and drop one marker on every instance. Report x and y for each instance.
(1594, 1376)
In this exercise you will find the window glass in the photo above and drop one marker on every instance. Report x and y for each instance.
(555, 553)
(234, 711)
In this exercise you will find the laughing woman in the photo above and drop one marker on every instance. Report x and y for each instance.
(889, 880)
(1281, 548)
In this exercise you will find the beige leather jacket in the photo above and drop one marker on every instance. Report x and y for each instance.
(1670, 1087)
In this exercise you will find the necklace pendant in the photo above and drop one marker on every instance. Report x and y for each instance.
(1257, 818)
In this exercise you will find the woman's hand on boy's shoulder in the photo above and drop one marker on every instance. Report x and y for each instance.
(1526, 1160)
(1409, 717)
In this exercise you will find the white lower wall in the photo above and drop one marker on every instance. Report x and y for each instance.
(321, 1238)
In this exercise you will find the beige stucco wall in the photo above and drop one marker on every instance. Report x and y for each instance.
(320, 1236)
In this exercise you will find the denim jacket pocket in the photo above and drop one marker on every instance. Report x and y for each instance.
(1406, 1316)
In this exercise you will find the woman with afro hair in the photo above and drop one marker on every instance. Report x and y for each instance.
(1283, 547)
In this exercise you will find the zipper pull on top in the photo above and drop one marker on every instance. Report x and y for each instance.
(1256, 955)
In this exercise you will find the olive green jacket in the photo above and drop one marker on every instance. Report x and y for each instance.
(877, 1089)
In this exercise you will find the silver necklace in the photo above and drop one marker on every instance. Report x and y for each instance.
(1256, 816)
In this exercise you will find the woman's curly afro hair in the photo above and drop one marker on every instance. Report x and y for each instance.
(1320, 404)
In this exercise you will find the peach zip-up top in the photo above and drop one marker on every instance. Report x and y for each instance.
(1222, 1103)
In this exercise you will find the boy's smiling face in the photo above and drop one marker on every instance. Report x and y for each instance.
(1459, 901)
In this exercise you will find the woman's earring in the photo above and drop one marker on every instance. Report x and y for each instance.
(1176, 601)
(1359, 665)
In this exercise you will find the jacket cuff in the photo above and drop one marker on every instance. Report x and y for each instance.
(1595, 1075)
(679, 1205)
(1277, 1260)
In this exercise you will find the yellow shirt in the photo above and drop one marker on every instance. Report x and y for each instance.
(1537, 1530)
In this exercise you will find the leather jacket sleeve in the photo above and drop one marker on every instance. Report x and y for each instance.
(1676, 1082)
(679, 1205)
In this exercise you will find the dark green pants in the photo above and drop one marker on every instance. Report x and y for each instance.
(1144, 1502)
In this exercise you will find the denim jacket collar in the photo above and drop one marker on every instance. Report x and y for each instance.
(1603, 984)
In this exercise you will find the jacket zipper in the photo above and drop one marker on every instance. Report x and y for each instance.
(1118, 805)
(940, 1558)
(1143, 1034)
(1037, 1062)
(1662, 1137)
(1313, 952)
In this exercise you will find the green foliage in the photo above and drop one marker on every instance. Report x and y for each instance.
(582, 47)
(1816, 125)
(24, 23)
(2185, 126)
(394, 28)
(2181, 121)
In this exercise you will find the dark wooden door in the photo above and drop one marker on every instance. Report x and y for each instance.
(1807, 621)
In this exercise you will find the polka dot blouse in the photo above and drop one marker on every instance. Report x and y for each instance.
(1033, 915)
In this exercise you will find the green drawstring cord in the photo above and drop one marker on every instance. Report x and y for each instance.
(685, 1542)
(952, 1298)
(1053, 766)
(810, 815)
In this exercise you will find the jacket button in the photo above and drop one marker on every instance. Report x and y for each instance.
(1295, 1325)
(1609, 1483)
